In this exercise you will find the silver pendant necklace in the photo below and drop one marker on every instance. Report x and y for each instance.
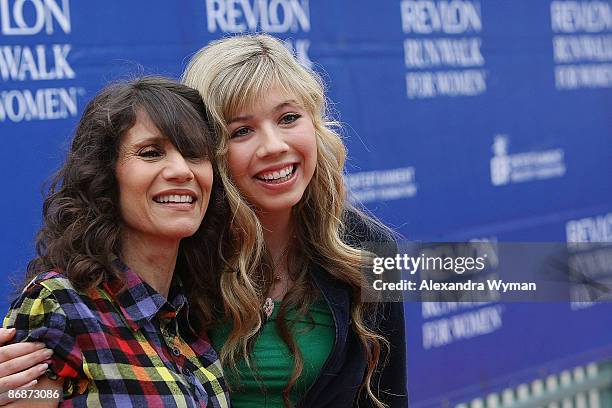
(268, 306)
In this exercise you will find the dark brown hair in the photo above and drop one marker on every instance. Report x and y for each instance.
(81, 219)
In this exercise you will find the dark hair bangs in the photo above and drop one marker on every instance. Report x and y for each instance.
(177, 119)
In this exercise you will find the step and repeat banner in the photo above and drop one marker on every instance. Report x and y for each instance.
(484, 120)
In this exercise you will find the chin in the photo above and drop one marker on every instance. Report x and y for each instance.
(278, 207)
(181, 232)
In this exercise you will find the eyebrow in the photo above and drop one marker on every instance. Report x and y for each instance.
(280, 106)
(132, 147)
(154, 139)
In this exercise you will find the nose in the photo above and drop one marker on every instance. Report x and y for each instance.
(271, 142)
(177, 169)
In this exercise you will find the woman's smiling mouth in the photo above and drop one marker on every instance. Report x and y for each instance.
(277, 176)
(174, 198)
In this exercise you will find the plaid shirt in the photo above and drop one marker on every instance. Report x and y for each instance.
(120, 348)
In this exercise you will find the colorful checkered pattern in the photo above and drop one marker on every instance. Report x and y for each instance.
(120, 348)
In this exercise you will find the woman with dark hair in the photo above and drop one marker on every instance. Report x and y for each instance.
(114, 288)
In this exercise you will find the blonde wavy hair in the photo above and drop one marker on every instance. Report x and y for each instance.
(231, 74)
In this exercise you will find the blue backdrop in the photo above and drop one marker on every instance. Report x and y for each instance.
(464, 120)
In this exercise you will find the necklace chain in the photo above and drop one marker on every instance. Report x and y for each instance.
(268, 306)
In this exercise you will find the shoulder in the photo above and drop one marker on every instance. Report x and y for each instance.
(53, 285)
(37, 297)
(47, 298)
(52, 281)
(37, 314)
(41, 287)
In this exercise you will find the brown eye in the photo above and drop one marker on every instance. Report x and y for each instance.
(240, 132)
(289, 118)
(150, 153)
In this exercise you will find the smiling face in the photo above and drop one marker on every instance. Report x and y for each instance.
(272, 152)
(162, 195)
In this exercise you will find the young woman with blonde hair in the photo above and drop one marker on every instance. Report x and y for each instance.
(292, 244)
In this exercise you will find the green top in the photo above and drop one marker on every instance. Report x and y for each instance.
(273, 363)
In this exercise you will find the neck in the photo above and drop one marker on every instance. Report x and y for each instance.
(152, 259)
(278, 232)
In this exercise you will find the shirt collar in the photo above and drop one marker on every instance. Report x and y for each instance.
(139, 302)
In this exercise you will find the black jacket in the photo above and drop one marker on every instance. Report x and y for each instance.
(338, 383)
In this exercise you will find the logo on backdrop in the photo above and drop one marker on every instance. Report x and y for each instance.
(582, 44)
(382, 185)
(580, 231)
(522, 167)
(442, 51)
(272, 16)
(589, 229)
(26, 67)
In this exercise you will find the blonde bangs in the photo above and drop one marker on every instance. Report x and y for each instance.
(242, 87)
(246, 86)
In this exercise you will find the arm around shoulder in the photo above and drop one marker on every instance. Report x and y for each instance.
(37, 315)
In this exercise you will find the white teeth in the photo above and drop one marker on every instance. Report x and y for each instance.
(174, 198)
(277, 175)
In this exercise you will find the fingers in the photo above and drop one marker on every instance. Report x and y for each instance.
(23, 378)
(24, 362)
(21, 364)
(6, 334)
(18, 349)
